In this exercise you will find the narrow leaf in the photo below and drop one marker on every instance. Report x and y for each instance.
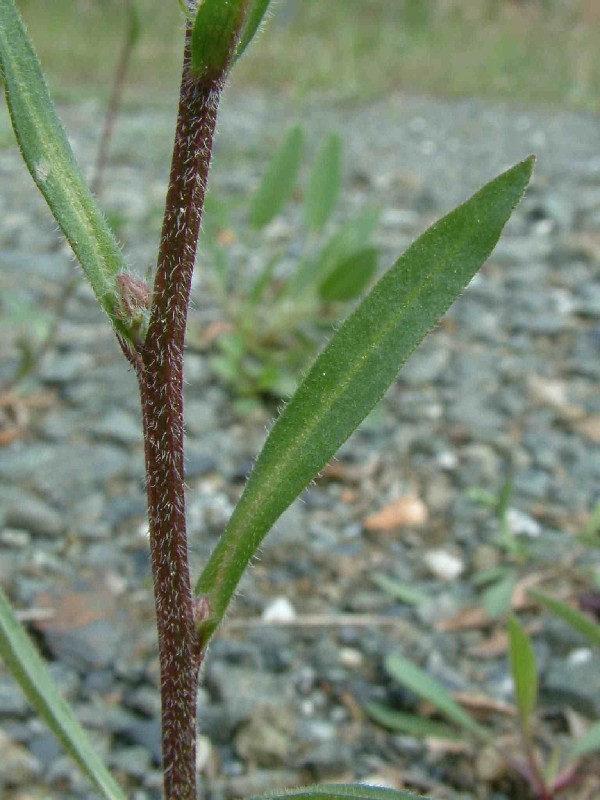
(52, 165)
(256, 14)
(324, 184)
(278, 181)
(354, 371)
(349, 279)
(353, 236)
(409, 723)
(588, 743)
(505, 496)
(497, 597)
(401, 591)
(215, 37)
(419, 682)
(524, 670)
(578, 621)
(30, 673)
(342, 791)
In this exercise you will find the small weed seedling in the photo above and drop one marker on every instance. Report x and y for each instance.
(547, 780)
(344, 383)
(277, 313)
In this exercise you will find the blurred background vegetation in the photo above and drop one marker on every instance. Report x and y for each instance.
(529, 52)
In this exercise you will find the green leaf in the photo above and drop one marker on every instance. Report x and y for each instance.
(52, 165)
(524, 670)
(350, 278)
(324, 184)
(278, 181)
(419, 682)
(215, 37)
(401, 591)
(504, 498)
(580, 622)
(353, 236)
(491, 575)
(341, 791)
(497, 597)
(30, 673)
(256, 13)
(588, 743)
(354, 371)
(409, 723)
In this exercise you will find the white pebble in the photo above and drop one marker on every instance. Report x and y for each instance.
(279, 610)
(522, 524)
(443, 565)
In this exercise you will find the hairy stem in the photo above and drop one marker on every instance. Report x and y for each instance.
(159, 366)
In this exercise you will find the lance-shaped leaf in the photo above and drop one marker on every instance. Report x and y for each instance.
(256, 13)
(324, 183)
(350, 277)
(279, 180)
(215, 36)
(411, 724)
(341, 791)
(578, 621)
(29, 671)
(424, 686)
(354, 371)
(52, 164)
(524, 670)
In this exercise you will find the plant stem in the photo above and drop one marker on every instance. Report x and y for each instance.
(534, 775)
(159, 366)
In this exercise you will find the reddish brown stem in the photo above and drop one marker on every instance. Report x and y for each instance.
(159, 366)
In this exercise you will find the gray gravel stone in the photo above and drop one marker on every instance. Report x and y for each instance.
(34, 515)
(575, 681)
(118, 426)
(12, 701)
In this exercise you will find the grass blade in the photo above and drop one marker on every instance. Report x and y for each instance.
(401, 591)
(578, 621)
(52, 164)
(324, 184)
(419, 682)
(409, 723)
(341, 791)
(524, 670)
(278, 181)
(30, 673)
(354, 371)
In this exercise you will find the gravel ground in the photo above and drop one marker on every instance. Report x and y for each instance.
(508, 381)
